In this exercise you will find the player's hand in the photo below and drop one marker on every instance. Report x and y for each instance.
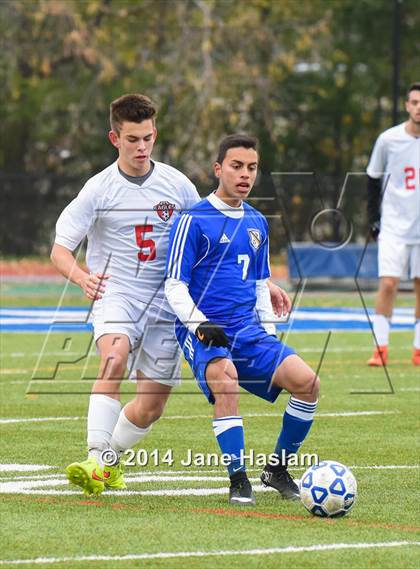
(212, 335)
(374, 230)
(280, 300)
(93, 285)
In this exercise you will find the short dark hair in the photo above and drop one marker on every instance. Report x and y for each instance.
(413, 87)
(235, 141)
(132, 108)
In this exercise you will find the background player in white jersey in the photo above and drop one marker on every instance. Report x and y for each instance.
(394, 173)
(126, 212)
(217, 270)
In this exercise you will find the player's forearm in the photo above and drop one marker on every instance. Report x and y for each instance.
(63, 260)
(263, 306)
(183, 305)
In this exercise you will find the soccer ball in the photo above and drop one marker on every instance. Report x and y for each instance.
(328, 489)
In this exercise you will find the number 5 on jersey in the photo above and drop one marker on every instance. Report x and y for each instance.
(145, 243)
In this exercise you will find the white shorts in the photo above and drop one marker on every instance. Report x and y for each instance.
(154, 348)
(398, 259)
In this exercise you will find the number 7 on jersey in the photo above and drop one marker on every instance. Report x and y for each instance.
(245, 260)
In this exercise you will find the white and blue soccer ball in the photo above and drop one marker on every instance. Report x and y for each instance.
(328, 489)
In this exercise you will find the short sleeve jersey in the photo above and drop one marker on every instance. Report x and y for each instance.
(220, 258)
(127, 227)
(396, 158)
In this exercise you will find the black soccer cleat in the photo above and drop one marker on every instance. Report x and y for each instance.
(240, 492)
(280, 479)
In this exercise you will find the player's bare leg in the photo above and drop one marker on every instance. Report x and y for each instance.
(104, 410)
(416, 350)
(149, 403)
(294, 375)
(388, 287)
(114, 350)
(137, 417)
(222, 379)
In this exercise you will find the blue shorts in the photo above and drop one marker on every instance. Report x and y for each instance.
(255, 353)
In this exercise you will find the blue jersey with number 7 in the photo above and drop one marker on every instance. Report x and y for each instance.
(220, 254)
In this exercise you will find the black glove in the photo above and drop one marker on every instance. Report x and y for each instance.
(374, 198)
(212, 335)
(374, 230)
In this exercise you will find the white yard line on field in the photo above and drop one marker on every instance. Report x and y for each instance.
(223, 553)
(24, 467)
(183, 417)
(142, 475)
(38, 420)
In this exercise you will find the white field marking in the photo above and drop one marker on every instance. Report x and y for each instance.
(409, 389)
(223, 553)
(178, 492)
(194, 474)
(33, 354)
(39, 420)
(180, 417)
(50, 381)
(343, 414)
(38, 486)
(24, 467)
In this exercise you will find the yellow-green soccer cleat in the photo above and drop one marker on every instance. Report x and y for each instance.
(88, 475)
(114, 477)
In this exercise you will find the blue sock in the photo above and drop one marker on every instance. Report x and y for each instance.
(229, 433)
(297, 420)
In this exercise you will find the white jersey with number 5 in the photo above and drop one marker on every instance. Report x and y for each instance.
(396, 158)
(127, 227)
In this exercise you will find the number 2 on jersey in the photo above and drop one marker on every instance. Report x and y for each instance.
(410, 178)
(245, 260)
(145, 243)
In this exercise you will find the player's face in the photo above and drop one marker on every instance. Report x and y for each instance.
(135, 144)
(236, 174)
(412, 106)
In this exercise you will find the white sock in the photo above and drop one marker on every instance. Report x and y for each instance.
(381, 329)
(417, 334)
(126, 434)
(102, 417)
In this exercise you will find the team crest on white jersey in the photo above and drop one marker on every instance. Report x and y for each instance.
(255, 238)
(164, 210)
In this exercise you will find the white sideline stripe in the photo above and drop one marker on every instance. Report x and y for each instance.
(24, 467)
(38, 486)
(180, 417)
(178, 492)
(169, 475)
(186, 554)
(38, 420)
(409, 389)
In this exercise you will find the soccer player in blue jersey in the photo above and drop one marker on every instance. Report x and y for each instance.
(216, 282)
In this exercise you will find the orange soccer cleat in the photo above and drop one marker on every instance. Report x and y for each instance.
(416, 357)
(379, 358)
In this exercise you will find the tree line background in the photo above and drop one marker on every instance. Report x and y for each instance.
(312, 79)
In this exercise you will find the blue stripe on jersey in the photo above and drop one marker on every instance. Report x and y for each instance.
(175, 259)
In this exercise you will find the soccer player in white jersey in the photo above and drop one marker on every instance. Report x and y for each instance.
(216, 271)
(126, 212)
(394, 173)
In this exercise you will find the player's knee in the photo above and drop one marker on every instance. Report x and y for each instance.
(113, 365)
(222, 371)
(310, 388)
(388, 285)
